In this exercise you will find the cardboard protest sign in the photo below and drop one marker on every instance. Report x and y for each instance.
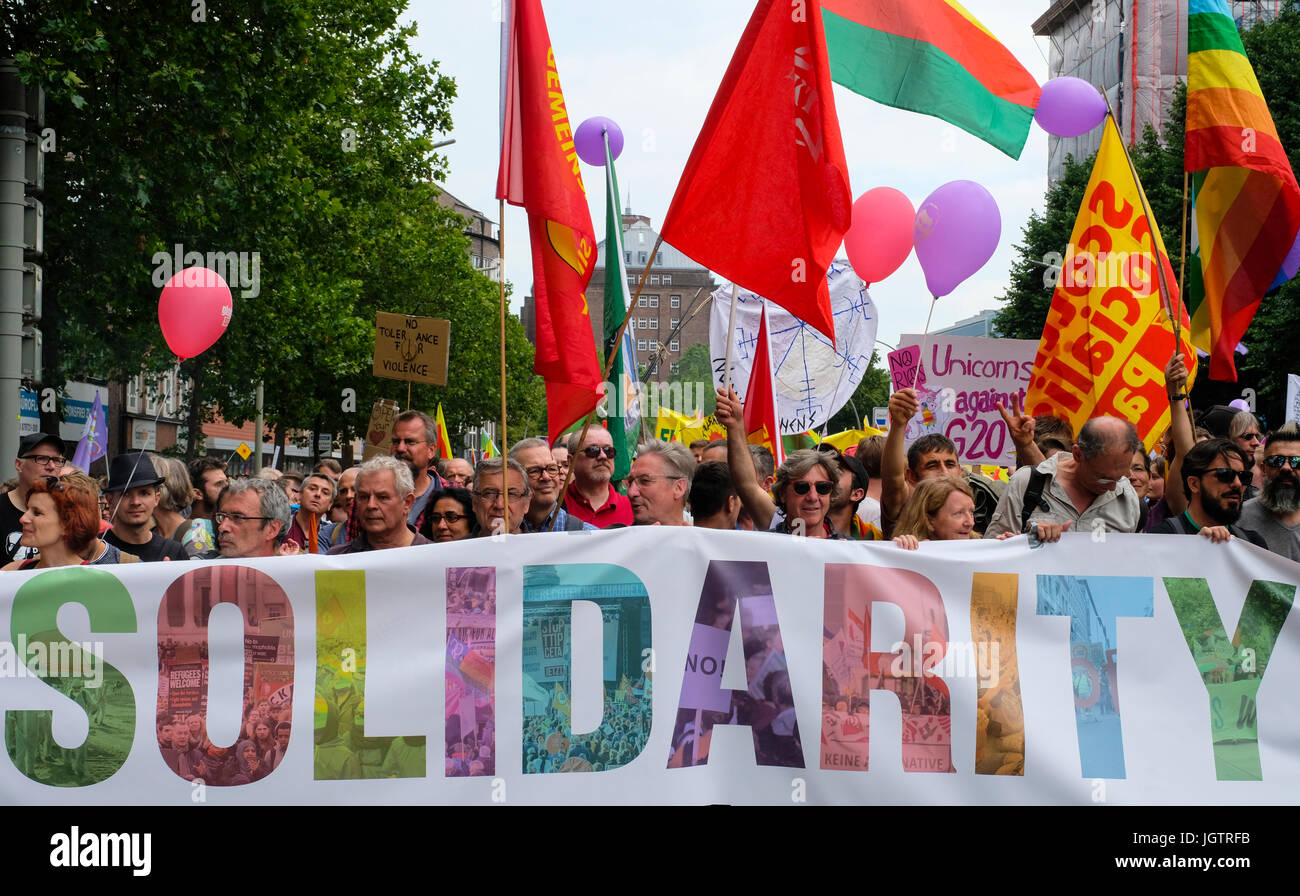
(411, 348)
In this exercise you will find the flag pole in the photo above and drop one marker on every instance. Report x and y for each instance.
(731, 336)
(501, 288)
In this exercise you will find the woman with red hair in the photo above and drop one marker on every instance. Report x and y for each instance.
(62, 522)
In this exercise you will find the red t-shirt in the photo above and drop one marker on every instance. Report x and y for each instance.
(617, 509)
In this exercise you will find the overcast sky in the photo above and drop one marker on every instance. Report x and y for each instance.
(655, 73)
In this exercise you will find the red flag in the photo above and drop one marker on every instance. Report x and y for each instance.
(764, 200)
(762, 425)
(539, 171)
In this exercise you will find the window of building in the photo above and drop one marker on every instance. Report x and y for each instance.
(627, 257)
(631, 279)
(654, 279)
(675, 301)
(676, 323)
(640, 258)
(674, 346)
(654, 323)
(654, 301)
(668, 280)
(640, 345)
(642, 302)
(659, 258)
(654, 346)
(676, 368)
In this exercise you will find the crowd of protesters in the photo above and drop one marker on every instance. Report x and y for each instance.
(1239, 483)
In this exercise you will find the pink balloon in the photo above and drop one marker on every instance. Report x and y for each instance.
(1069, 107)
(589, 140)
(881, 236)
(194, 310)
(956, 232)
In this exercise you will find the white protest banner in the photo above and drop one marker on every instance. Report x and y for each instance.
(964, 672)
(969, 375)
(1292, 397)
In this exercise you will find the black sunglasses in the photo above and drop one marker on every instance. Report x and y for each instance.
(594, 451)
(802, 487)
(1278, 461)
(1225, 475)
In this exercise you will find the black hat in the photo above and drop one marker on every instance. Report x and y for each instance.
(27, 444)
(131, 471)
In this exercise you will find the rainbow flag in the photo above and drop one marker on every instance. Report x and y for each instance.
(1247, 202)
(444, 440)
(932, 57)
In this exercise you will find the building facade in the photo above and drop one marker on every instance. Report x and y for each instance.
(484, 236)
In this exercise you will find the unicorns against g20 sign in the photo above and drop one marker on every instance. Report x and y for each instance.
(660, 666)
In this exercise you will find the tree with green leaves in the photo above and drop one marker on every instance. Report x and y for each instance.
(300, 131)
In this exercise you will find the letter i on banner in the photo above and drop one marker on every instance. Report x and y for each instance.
(183, 675)
(341, 688)
(767, 708)
(1232, 670)
(1000, 715)
(549, 742)
(851, 589)
(470, 671)
(1094, 604)
(102, 692)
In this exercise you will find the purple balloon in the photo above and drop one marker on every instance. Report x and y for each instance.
(956, 231)
(1069, 107)
(590, 142)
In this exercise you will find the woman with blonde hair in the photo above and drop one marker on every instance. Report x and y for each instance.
(938, 510)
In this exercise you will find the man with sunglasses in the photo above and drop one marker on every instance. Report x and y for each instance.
(1275, 512)
(1215, 474)
(591, 498)
(39, 455)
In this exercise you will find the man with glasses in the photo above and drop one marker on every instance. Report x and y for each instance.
(415, 443)
(132, 498)
(490, 503)
(252, 519)
(591, 498)
(659, 482)
(544, 512)
(1215, 474)
(1275, 513)
(39, 455)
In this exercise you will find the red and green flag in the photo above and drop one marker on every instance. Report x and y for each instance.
(1246, 201)
(932, 57)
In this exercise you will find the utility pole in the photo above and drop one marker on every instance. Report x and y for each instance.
(21, 232)
(258, 424)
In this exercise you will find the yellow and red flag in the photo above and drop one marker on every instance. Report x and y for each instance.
(444, 439)
(539, 171)
(1108, 337)
(762, 423)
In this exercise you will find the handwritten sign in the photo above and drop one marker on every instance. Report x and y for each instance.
(379, 434)
(1292, 397)
(968, 377)
(411, 348)
(903, 364)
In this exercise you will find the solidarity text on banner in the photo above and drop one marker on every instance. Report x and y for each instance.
(979, 672)
(1107, 338)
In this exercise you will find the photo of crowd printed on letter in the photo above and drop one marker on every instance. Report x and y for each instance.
(266, 715)
(767, 705)
(550, 743)
(470, 671)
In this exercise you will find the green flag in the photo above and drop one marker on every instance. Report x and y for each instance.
(623, 404)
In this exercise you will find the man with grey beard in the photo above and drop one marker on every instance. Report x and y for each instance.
(1275, 513)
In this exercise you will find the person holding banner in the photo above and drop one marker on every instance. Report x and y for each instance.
(932, 455)
(659, 482)
(452, 516)
(385, 493)
(1088, 487)
(804, 488)
(490, 504)
(940, 509)
(1215, 475)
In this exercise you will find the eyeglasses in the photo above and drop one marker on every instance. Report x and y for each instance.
(594, 451)
(47, 460)
(451, 516)
(1225, 475)
(1278, 461)
(53, 484)
(410, 441)
(237, 518)
(802, 487)
(644, 480)
(494, 494)
(536, 472)
(1251, 436)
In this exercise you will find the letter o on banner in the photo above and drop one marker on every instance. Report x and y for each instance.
(183, 653)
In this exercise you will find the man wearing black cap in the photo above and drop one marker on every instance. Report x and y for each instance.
(39, 455)
(132, 493)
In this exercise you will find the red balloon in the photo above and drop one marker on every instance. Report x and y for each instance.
(194, 310)
(880, 238)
